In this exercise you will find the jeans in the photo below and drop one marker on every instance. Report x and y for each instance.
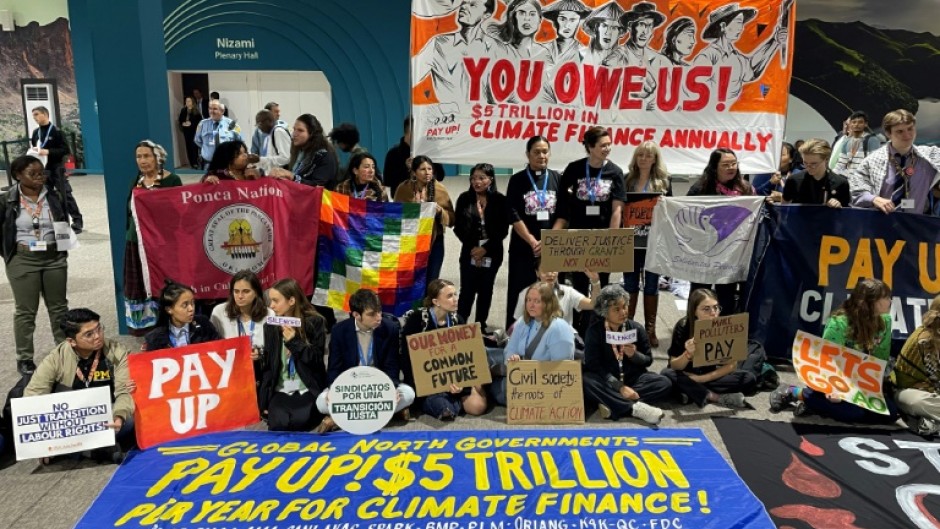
(631, 283)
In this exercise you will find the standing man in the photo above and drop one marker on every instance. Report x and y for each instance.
(398, 161)
(899, 175)
(273, 142)
(214, 130)
(854, 145)
(48, 144)
(201, 103)
(275, 109)
(216, 96)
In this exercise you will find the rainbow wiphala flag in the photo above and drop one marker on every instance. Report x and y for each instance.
(382, 246)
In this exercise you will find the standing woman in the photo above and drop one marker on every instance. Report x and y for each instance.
(722, 384)
(439, 310)
(313, 159)
(482, 224)
(424, 188)
(189, 119)
(178, 324)
(532, 197)
(244, 314)
(591, 197)
(647, 175)
(863, 322)
(140, 311)
(34, 265)
(360, 181)
(230, 162)
(295, 372)
(722, 178)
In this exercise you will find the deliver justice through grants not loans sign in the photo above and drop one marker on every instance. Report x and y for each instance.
(448, 356)
(595, 250)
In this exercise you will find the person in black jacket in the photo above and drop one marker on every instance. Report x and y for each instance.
(481, 225)
(178, 323)
(49, 142)
(313, 159)
(294, 371)
(817, 184)
(615, 375)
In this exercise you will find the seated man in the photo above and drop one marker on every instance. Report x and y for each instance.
(86, 360)
(365, 339)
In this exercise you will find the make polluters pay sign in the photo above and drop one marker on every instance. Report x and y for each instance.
(62, 423)
(448, 356)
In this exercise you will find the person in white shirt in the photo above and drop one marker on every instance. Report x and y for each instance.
(569, 299)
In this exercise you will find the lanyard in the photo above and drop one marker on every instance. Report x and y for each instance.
(356, 194)
(618, 353)
(91, 372)
(241, 328)
(36, 214)
(591, 184)
(541, 195)
(291, 369)
(48, 133)
(434, 319)
(480, 209)
(365, 360)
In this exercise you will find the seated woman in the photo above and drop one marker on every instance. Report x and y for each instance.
(615, 375)
(917, 375)
(724, 384)
(360, 181)
(244, 314)
(540, 334)
(569, 299)
(295, 372)
(439, 310)
(230, 162)
(863, 323)
(178, 324)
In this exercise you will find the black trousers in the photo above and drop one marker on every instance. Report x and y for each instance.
(650, 386)
(293, 412)
(730, 296)
(58, 180)
(521, 275)
(742, 380)
(476, 282)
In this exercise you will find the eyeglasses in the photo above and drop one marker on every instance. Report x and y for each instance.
(714, 309)
(35, 175)
(90, 335)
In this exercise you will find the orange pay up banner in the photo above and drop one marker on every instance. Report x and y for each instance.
(839, 370)
(192, 390)
(691, 76)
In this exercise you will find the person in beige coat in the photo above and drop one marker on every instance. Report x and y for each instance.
(422, 187)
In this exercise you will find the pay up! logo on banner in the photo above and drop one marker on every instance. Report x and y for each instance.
(196, 389)
(544, 392)
(62, 423)
(834, 369)
(719, 340)
(678, 73)
(449, 356)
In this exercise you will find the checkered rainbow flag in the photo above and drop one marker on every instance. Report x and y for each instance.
(382, 246)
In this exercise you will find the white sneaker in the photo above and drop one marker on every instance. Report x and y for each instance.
(603, 411)
(924, 426)
(647, 413)
(732, 400)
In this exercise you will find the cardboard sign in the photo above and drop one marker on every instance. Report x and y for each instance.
(362, 400)
(838, 370)
(597, 250)
(62, 423)
(720, 340)
(638, 214)
(621, 338)
(544, 392)
(448, 356)
(192, 390)
(283, 320)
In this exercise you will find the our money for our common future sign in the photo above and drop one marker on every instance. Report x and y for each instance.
(597, 250)
(62, 423)
(544, 392)
(835, 369)
(720, 340)
(448, 356)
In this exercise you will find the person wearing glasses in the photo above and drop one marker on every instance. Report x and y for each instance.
(817, 184)
(30, 212)
(85, 359)
(723, 384)
(722, 177)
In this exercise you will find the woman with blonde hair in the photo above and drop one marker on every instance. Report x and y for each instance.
(647, 174)
(916, 375)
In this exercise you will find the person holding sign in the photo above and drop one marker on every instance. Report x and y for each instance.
(569, 299)
(616, 355)
(863, 323)
(540, 334)
(366, 338)
(294, 373)
(532, 196)
(439, 310)
(591, 196)
(725, 384)
(647, 175)
(178, 323)
(916, 375)
(86, 360)
(424, 188)
(482, 224)
(244, 314)
(31, 217)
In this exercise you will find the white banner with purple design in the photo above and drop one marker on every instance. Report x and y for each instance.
(703, 239)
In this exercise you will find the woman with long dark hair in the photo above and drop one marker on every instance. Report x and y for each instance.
(482, 224)
(189, 119)
(313, 159)
(863, 322)
(230, 162)
(361, 181)
(243, 313)
(424, 188)
(295, 372)
(178, 323)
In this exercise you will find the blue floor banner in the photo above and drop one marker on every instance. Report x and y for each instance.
(808, 259)
(518, 479)
(815, 476)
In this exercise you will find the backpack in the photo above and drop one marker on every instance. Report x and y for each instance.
(274, 143)
(6, 421)
(767, 377)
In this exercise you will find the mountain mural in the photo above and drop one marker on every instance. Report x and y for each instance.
(841, 67)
